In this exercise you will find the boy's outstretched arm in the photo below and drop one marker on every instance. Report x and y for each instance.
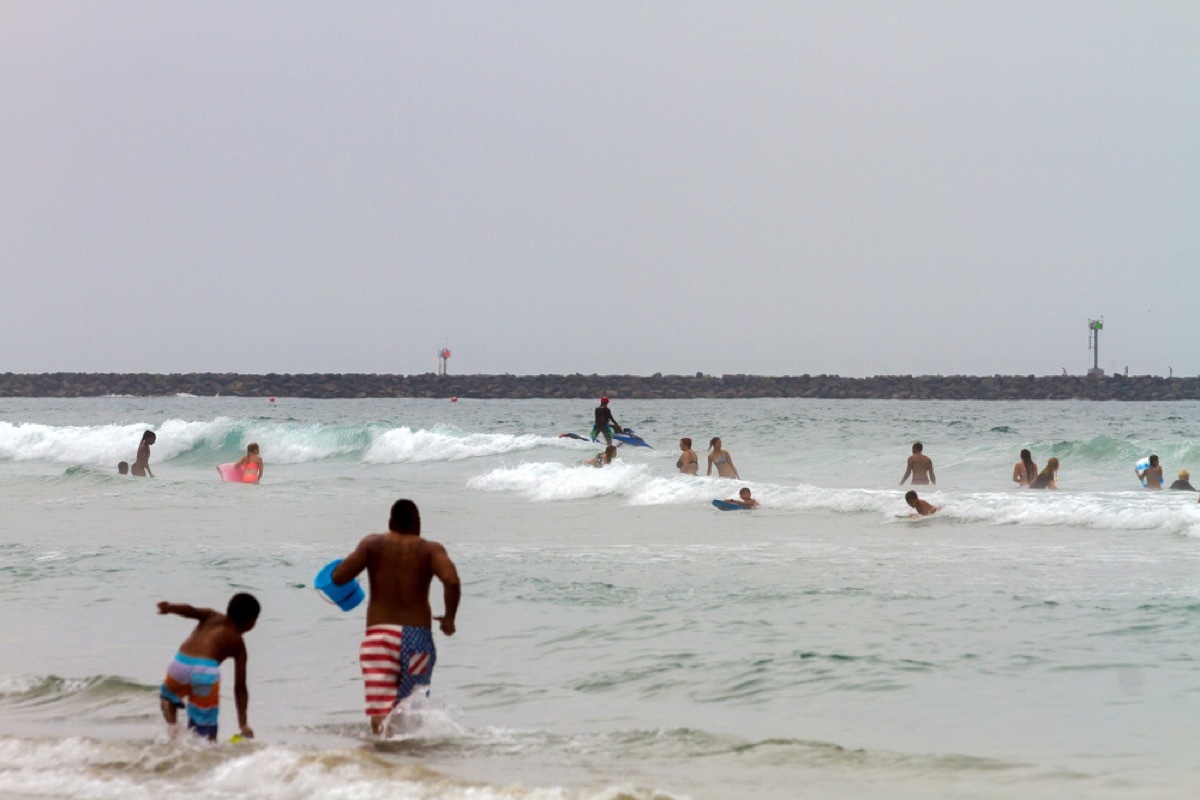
(183, 610)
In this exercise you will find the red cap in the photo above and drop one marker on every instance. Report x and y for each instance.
(603, 400)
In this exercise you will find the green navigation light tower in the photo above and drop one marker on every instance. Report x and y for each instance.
(1095, 326)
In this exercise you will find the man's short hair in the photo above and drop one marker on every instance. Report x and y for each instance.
(243, 608)
(910, 496)
(405, 517)
(918, 447)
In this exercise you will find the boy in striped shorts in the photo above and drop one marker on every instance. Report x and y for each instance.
(194, 674)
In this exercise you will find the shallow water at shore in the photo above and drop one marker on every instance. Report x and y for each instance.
(618, 636)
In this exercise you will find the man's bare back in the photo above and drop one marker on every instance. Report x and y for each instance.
(401, 566)
(920, 467)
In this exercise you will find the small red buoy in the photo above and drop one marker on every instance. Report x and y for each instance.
(453, 399)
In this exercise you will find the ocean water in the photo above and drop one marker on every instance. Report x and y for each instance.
(618, 636)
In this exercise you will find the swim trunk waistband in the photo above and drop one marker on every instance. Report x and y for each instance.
(395, 660)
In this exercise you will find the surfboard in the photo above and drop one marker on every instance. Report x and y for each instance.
(231, 473)
(724, 505)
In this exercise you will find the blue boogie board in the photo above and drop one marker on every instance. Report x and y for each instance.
(727, 506)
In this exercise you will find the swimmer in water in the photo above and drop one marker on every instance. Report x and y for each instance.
(1152, 475)
(689, 462)
(606, 457)
(1025, 472)
(1048, 478)
(721, 460)
(251, 464)
(922, 508)
(919, 466)
(746, 500)
(141, 465)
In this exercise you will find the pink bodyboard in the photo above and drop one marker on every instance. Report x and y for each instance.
(230, 472)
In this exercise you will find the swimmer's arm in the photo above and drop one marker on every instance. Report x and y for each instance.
(447, 573)
(907, 471)
(354, 563)
(729, 459)
(241, 694)
(184, 610)
(932, 477)
(710, 460)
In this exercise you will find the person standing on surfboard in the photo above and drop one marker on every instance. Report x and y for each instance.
(604, 418)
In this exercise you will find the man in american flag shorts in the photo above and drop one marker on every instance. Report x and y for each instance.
(397, 653)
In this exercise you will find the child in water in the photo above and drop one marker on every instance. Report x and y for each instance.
(141, 464)
(746, 500)
(922, 507)
(194, 674)
(251, 464)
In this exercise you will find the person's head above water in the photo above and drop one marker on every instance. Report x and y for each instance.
(918, 447)
(685, 443)
(149, 438)
(1184, 475)
(123, 467)
(910, 497)
(252, 448)
(603, 401)
(1154, 461)
(744, 493)
(1026, 455)
(714, 442)
(405, 518)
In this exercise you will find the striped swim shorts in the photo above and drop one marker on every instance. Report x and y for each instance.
(198, 682)
(395, 660)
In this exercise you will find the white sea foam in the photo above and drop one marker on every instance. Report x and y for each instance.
(642, 485)
(401, 445)
(103, 444)
(77, 767)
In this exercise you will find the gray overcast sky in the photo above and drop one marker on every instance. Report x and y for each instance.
(841, 187)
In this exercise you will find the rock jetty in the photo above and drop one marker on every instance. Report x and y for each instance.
(652, 387)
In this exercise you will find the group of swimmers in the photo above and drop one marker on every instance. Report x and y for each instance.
(141, 464)
(249, 466)
(1026, 476)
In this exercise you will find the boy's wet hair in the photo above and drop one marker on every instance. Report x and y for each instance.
(918, 447)
(405, 517)
(243, 608)
(910, 496)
